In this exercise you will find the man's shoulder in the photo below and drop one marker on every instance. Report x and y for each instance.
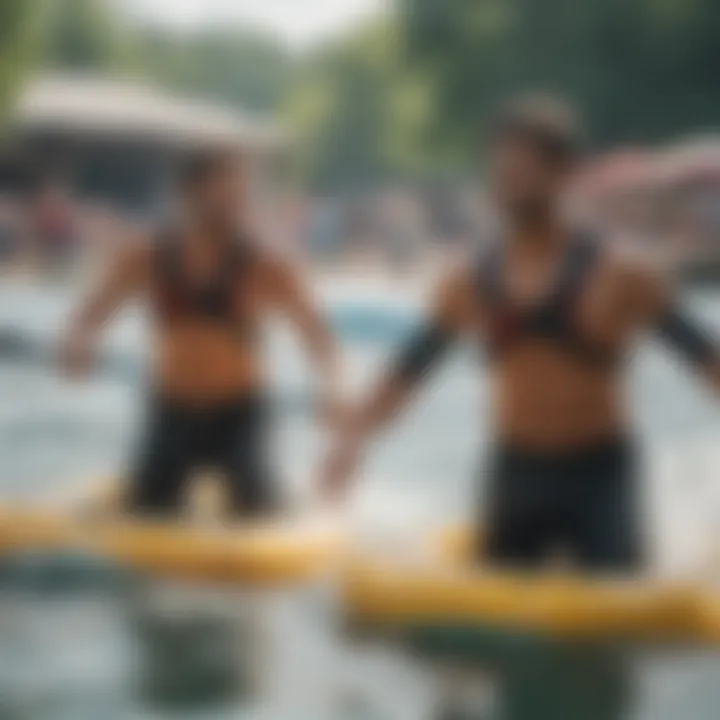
(630, 257)
(267, 257)
(275, 269)
(639, 274)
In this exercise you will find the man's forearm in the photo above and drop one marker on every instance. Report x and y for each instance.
(407, 372)
(120, 281)
(422, 351)
(331, 386)
(94, 313)
(326, 361)
(385, 404)
(90, 317)
(711, 370)
(692, 342)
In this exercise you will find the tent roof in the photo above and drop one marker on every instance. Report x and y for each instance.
(109, 107)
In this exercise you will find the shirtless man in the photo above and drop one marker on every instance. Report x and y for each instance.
(209, 286)
(558, 311)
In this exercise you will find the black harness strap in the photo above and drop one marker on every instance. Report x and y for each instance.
(212, 299)
(553, 318)
(687, 337)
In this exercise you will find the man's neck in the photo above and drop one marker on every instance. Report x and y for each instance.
(540, 235)
(209, 234)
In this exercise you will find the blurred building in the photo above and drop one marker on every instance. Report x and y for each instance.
(618, 190)
(118, 142)
(668, 198)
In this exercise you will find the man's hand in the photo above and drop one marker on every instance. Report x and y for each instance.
(125, 274)
(77, 353)
(334, 409)
(340, 467)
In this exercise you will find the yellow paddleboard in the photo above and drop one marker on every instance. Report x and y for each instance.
(387, 594)
(447, 590)
(274, 551)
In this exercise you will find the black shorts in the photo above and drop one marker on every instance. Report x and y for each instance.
(230, 438)
(581, 504)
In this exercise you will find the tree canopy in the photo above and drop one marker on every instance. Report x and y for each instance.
(405, 94)
(234, 66)
(641, 70)
(20, 46)
(83, 35)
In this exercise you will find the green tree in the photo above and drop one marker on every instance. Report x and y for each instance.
(82, 35)
(236, 67)
(20, 23)
(359, 113)
(640, 69)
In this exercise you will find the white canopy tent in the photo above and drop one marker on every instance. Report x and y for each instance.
(119, 141)
(101, 107)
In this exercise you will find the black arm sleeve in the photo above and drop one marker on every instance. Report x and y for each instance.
(427, 345)
(684, 335)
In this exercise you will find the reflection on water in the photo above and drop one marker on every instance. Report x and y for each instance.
(65, 648)
(79, 639)
(187, 661)
(82, 638)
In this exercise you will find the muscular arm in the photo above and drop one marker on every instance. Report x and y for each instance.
(123, 276)
(294, 300)
(663, 313)
(121, 279)
(452, 312)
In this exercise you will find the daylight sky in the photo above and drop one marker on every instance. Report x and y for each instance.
(302, 23)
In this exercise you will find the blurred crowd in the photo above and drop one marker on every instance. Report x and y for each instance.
(669, 201)
(50, 232)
